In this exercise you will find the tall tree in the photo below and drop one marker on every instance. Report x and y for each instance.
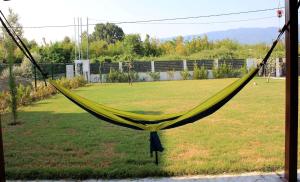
(180, 46)
(11, 54)
(151, 47)
(13, 20)
(108, 32)
(133, 45)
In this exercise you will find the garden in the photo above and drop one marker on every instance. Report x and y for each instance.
(56, 139)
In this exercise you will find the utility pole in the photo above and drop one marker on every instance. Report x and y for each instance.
(75, 39)
(78, 34)
(81, 50)
(87, 38)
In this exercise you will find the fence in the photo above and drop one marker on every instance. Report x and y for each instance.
(57, 70)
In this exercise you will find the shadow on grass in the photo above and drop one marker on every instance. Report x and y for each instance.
(52, 145)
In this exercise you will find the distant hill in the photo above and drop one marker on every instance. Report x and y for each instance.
(242, 35)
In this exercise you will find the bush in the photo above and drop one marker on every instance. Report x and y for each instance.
(4, 101)
(27, 95)
(155, 76)
(243, 70)
(171, 74)
(200, 73)
(115, 76)
(185, 74)
(134, 76)
(73, 83)
(42, 92)
(23, 95)
(225, 71)
(24, 70)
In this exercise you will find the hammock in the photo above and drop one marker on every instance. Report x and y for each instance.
(159, 122)
(152, 123)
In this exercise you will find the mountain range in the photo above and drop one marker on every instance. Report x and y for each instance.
(241, 35)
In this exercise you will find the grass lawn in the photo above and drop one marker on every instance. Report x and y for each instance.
(59, 140)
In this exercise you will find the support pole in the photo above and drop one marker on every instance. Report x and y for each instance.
(87, 38)
(78, 34)
(75, 40)
(291, 115)
(2, 163)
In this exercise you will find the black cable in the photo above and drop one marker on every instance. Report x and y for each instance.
(196, 17)
(159, 20)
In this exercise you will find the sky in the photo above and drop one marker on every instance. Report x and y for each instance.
(62, 12)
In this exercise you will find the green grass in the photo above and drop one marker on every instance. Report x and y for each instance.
(57, 139)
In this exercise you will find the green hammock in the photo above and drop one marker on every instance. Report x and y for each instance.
(158, 122)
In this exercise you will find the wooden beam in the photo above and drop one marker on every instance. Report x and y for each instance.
(2, 163)
(291, 113)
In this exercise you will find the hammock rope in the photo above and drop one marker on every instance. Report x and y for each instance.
(152, 123)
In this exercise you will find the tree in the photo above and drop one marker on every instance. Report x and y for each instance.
(180, 47)
(168, 47)
(13, 20)
(198, 44)
(12, 82)
(108, 32)
(133, 45)
(58, 52)
(151, 47)
(12, 57)
(98, 48)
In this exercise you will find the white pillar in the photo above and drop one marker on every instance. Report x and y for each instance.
(250, 63)
(216, 63)
(152, 66)
(69, 71)
(120, 67)
(184, 65)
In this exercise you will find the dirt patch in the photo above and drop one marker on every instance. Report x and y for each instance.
(190, 151)
(109, 150)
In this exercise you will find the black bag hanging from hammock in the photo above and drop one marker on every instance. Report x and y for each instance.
(155, 145)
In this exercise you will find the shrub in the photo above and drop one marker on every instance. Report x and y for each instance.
(171, 74)
(185, 74)
(42, 92)
(200, 73)
(115, 76)
(134, 76)
(225, 71)
(23, 95)
(24, 70)
(243, 70)
(155, 76)
(4, 101)
(26, 95)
